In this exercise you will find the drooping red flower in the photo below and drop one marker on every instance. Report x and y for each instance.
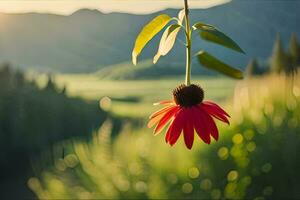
(188, 113)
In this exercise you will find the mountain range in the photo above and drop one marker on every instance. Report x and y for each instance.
(88, 40)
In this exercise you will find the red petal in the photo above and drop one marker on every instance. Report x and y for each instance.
(154, 121)
(214, 111)
(216, 107)
(212, 127)
(161, 111)
(163, 121)
(188, 130)
(155, 118)
(200, 125)
(164, 102)
(167, 138)
(176, 127)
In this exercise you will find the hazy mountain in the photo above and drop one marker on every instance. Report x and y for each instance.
(89, 40)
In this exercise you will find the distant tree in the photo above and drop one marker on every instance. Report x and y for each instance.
(5, 70)
(32, 119)
(294, 55)
(253, 68)
(19, 79)
(64, 90)
(278, 59)
(50, 84)
(5, 77)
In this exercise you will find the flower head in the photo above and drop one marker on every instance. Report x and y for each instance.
(188, 113)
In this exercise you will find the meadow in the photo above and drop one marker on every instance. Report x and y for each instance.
(134, 98)
(255, 158)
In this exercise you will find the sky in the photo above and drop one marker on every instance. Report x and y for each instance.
(66, 7)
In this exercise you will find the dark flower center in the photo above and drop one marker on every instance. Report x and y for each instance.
(188, 96)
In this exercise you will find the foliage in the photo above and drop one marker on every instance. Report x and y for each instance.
(206, 32)
(212, 63)
(255, 158)
(32, 119)
(287, 62)
(278, 59)
(167, 41)
(253, 68)
(294, 55)
(212, 34)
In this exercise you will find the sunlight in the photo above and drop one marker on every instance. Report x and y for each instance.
(66, 7)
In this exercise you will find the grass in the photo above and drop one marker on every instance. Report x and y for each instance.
(135, 98)
(255, 158)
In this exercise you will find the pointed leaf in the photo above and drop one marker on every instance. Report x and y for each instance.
(212, 34)
(202, 26)
(211, 62)
(167, 41)
(147, 33)
(181, 16)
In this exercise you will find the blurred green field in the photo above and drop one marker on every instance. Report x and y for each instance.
(255, 158)
(135, 98)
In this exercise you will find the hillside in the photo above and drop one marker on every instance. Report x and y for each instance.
(86, 42)
(144, 70)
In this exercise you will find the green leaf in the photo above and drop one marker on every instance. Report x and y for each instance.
(167, 41)
(212, 34)
(202, 26)
(211, 62)
(147, 33)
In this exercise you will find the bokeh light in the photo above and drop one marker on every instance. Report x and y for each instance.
(232, 175)
(237, 138)
(206, 184)
(105, 103)
(223, 153)
(194, 172)
(187, 188)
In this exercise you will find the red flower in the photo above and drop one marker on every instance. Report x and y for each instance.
(187, 113)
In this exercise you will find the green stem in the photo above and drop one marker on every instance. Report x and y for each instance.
(188, 44)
